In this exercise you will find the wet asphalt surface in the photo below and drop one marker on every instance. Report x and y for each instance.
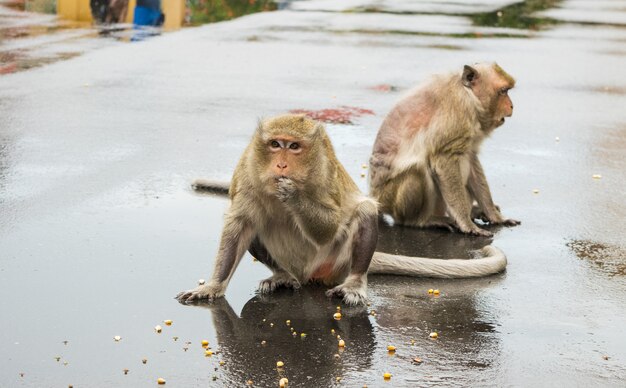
(99, 229)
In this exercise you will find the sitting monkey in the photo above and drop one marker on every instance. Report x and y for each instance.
(424, 168)
(296, 209)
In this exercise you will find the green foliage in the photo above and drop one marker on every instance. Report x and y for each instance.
(517, 15)
(211, 11)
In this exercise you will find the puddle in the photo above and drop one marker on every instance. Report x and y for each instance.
(341, 115)
(384, 88)
(610, 259)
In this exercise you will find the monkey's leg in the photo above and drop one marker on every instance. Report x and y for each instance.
(479, 188)
(236, 239)
(411, 203)
(280, 278)
(447, 171)
(364, 240)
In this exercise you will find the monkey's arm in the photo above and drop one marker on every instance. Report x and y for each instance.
(447, 171)
(479, 188)
(318, 219)
(236, 238)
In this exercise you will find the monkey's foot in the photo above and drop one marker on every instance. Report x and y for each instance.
(207, 291)
(352, 290)
(276, 281)
(476, 231)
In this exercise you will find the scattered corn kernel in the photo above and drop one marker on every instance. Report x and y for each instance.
(222, 363)
(434, 334)
(535, 191)
(145, 360)
(263, 342)
(556, 138)
(436, 292)
(332, 331)
(362, 175)
(160, 381)
(417, 360)
(302, 335)
(117, 338)
(158, 328)
(57, 358)
(431, 291)
(338, 379)
(65, 363)
(201, 281)
(280, 364)
(342, 343)
(337, 316)
(283, 382)
(336, 356)
(168, 322)
(364, 165)
(185, 348)
(597, 176)
(294, 334)
(387, 376)
(205, 343)
(125, 371)
(271, 324)
(391, 348)
(249, 382)
(288, 322)
(208, 353)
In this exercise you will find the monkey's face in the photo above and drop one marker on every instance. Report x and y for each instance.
(503, 106)
(285, 158)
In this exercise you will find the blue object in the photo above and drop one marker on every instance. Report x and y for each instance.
(145, 16)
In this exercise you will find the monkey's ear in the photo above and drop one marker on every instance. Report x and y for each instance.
(469, 77)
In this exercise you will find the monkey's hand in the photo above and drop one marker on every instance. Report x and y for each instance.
(209, 291)
(352, 290)
(281, 279)
(285, 189)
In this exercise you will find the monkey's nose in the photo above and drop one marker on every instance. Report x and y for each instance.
(282, 165)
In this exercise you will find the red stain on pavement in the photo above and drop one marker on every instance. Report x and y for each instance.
(341, 115)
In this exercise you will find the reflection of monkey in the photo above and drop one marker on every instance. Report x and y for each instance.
(263, 318)
(424, 166)
(297, 211)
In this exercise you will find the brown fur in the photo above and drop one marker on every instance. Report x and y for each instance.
(424, 166)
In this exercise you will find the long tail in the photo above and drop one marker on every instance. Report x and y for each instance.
(493, 261)
(211, 186)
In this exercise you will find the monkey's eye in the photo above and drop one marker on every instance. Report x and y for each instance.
(275, 144)
(503, 91)
(294, 146)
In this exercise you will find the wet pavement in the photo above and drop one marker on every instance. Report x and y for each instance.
(99, 228)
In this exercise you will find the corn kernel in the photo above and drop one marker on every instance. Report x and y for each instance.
(208, 353)
(168, 322)
(205, 343)
(117, 338)
(337, 316)
(434, 334)
(158, 328)
(160, 381)
(342, 343)
(387, 376)
(283, 382)
(431, 291)
(391, 348)
(280, 364)
(436, 292)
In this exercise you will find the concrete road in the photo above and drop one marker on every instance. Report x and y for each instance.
(99, 229)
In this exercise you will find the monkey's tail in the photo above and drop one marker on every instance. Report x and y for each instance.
(493, 261)
(211, 186)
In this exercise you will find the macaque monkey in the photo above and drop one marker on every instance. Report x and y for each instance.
(296, 210)
(424, 169)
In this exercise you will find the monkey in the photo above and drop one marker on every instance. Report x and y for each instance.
(294, 207)
(424, 167)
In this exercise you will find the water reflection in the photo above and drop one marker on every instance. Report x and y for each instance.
(310, 312)
(428, 242)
